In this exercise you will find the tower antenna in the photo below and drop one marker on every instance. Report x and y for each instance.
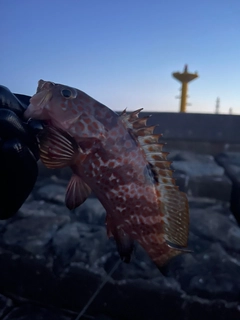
(184, 78)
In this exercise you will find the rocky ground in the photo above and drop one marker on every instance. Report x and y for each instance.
(52, 260)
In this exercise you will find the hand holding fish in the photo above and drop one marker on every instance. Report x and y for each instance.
(18, 152)
(120, 159)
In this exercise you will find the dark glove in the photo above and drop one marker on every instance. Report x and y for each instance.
(18, 152)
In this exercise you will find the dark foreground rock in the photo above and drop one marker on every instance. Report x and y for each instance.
(230, 161)
(200, 176)
(59, 258)
(31, 312)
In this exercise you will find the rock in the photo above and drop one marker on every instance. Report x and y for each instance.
(147, 299)
(79, 283)
(231, 158)
(79, 242)
(52, 192)
(203, 176)
(215, 227)
(177, 155)
(60, 258)
(33, 312)
(26, 275)
(198, 168)
(209, 203)
(91, 211)
(212, 274)
(33, 234)
(231, 163)
(212, 187)
(140, 266)
(41, 208)
(212, 270)
(5, 305)
(125, 299)
(4, 223)
(181, 181)
(102, 317)
(222, 278)
(197, 309)
(64, 173)
(197, 244)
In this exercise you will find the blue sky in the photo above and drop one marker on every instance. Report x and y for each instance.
(122, 52)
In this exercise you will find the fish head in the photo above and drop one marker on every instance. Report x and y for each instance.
(52, 101)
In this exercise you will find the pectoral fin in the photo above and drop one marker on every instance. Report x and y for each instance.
(77, 192)
(57, 148)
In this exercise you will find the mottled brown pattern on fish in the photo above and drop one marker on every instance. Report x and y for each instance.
(121, 160)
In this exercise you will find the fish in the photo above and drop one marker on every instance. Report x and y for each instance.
(119, 158)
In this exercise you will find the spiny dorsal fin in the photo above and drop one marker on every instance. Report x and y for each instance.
(172, 203)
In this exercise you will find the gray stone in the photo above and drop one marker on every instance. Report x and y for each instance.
(60, 258)
(182, 180)
(177, 155)
(215, 227)
(91, 211)
(201, 176)
(212, 187)
(140, 266)
(5, 305)
(147, 299)
(41, 208)
(209, 203)
(33, 312)
(197, 243)
(79, 242)
(52, 192)
(33, 234)
(102, 317)
(211, 274)
(232, 158)
(196, 308)
(4, 223)
(219, 277)
(198, 169)
(27, 275)
(64, 173)
(212, 270)
(79, 283)
(124, 299)
(231, 163)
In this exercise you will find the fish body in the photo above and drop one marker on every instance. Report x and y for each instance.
(118, 158)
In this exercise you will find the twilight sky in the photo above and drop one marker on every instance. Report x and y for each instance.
(122, 52)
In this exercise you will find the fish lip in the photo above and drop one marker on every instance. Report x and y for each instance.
(45, 99)
(29, 114)
(37, 107)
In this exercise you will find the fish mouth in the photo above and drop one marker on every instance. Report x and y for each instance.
(38, 103)
(44, 100)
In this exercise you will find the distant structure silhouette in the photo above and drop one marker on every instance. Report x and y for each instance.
(217, 108)
(184, 78)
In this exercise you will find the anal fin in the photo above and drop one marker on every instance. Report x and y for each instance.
(77, 192)
(57, 148)
(125, 245)
(179, 248)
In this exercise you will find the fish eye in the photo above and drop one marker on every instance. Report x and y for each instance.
(66, 93)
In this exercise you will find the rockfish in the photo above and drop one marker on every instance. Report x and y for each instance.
(120, 159)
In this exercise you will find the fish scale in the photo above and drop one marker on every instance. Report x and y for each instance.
(120, 159)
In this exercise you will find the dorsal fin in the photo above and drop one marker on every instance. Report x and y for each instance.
(172, 203)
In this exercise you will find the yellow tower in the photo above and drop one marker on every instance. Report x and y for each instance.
(184, 78)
